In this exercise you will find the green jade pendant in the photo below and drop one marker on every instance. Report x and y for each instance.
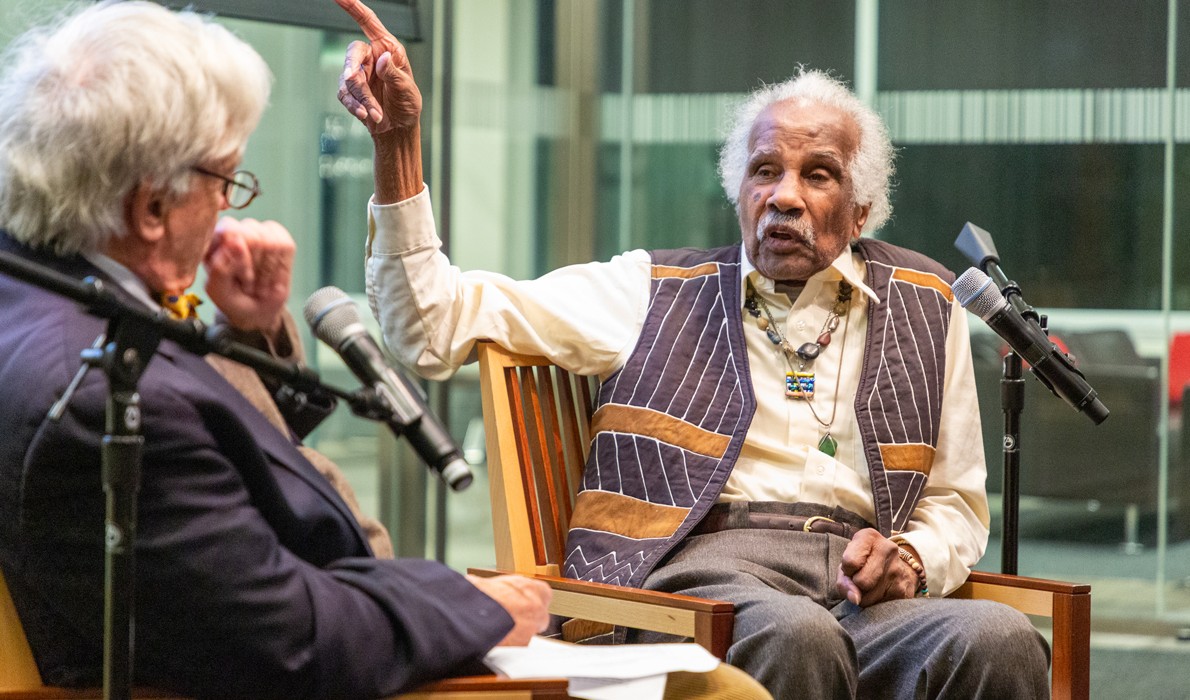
(828, 445)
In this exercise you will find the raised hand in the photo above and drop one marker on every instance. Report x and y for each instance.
(525, 599)
(377, 85)
(249, 266)
(872, 570)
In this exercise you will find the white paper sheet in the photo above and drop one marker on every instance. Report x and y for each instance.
(647, 688)
(613, 672)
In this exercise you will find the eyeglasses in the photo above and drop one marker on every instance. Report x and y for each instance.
(239, 190)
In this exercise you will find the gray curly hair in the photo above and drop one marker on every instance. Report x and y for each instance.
(871, 168)
(111, 96)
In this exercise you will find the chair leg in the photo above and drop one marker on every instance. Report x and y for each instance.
(1071, 667)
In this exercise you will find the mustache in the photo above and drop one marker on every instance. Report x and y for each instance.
(796, 224)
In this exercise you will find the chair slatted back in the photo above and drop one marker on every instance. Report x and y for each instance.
(536, 474)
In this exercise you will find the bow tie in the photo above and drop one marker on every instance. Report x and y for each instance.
(180, 306)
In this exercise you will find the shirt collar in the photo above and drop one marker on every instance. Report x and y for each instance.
(124, 277)
(848, 266)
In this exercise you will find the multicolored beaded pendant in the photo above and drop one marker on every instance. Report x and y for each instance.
(799, 381)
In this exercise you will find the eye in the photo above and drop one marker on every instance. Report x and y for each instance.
(820, 176)
(765, 171)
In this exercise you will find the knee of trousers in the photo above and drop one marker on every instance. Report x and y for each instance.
(996, 637)
(791, 627)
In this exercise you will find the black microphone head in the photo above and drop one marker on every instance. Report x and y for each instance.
(977, 245)
(332, 315)
(977, 294)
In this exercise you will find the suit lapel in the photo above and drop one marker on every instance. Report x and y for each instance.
(277, 445)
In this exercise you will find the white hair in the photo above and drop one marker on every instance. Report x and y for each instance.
(871, 167)
(108, 97)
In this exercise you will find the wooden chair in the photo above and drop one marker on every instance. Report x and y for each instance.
(537, 420)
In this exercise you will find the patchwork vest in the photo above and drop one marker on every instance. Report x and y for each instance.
(669, 425)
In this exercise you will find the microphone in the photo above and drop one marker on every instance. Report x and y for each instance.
(976, 293)
(335, 320)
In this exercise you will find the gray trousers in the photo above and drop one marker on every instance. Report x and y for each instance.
(800, 639)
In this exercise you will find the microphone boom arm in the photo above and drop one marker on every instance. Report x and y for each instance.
(192, 334)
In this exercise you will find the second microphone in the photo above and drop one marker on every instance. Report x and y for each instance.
(336, 321)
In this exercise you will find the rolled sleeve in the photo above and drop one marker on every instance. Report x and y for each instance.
(585, 318)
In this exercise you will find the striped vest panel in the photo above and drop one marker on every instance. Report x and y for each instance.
(899, 401)
(669, 424)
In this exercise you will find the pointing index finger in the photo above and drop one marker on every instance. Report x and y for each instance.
(366, 19)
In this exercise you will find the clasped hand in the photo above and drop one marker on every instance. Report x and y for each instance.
(249, 266)
(872, 570)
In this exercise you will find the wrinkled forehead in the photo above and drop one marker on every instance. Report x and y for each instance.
(800, 123)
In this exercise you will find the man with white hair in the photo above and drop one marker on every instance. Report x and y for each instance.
(785, 423)
(122, 126)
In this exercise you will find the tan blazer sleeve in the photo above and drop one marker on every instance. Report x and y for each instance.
(248, 383)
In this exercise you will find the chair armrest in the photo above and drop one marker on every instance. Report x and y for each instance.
(708, 622)
(1032, 596)
(490, 686)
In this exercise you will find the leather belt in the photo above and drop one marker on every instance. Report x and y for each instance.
(718, 519)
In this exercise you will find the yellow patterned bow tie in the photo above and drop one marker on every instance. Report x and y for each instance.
(180, 306)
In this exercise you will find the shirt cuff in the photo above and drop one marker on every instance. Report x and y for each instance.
(403, 227)
(935, 557)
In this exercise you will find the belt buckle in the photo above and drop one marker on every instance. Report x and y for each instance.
(811, 520)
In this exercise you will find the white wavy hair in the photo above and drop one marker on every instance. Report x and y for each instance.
(110, 96)
(871, 167)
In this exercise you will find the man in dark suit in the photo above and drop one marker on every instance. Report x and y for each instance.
(121, 129)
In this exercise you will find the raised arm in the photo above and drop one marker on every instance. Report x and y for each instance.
(377, 87)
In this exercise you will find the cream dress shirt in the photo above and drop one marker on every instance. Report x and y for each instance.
(587, 318)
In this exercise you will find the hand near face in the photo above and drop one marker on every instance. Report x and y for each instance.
(249, 266)
(525, 599)
(872, 570)
(377, 84)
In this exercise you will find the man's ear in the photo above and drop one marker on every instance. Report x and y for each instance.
(861, 218)
(144, 212)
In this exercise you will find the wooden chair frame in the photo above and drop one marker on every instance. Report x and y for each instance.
(537, 422)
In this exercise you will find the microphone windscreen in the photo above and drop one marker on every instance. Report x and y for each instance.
(976, 293)
(330, 313)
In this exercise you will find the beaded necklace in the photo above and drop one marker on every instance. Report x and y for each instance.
(799, 381)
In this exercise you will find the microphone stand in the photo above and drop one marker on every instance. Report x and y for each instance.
(1012, 403)
(133, 334)
(123, 360)
(977, 245)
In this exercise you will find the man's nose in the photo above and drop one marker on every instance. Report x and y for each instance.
(786, 195)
